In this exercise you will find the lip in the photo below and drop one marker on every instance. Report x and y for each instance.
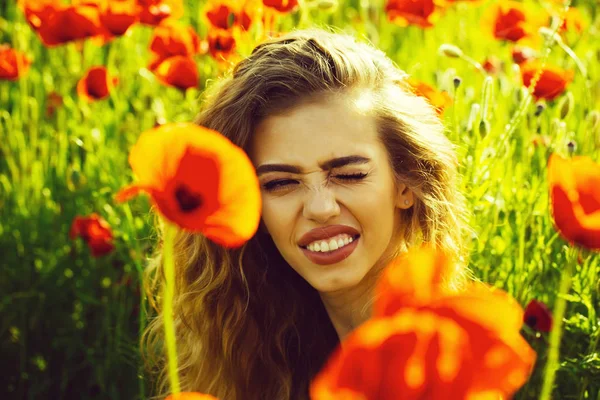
(331, 257)
(326, 232)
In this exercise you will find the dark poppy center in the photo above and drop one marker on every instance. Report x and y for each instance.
(187, 200)
(531, 320)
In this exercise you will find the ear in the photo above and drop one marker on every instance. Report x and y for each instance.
(404, 197)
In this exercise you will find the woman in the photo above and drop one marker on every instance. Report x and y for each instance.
(354, 169)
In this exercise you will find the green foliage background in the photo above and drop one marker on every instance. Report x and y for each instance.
(69, 323)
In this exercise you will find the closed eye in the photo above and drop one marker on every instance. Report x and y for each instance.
(281, 183)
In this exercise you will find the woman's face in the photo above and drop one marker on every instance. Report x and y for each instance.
(308, 194)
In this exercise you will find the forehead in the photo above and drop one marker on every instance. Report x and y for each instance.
(317, 131)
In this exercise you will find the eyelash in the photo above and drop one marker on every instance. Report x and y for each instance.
(274, 185)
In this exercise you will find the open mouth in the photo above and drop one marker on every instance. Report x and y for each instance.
(353, 238)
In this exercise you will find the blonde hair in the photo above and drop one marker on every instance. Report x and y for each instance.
(248, 326)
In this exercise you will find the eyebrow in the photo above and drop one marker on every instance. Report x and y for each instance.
(329, 164)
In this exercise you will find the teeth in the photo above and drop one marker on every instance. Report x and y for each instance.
(333, 244)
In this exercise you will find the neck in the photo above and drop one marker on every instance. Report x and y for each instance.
(350, 307)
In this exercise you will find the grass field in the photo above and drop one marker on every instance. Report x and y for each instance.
(70, 321)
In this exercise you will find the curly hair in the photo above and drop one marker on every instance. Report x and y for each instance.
(247, 325)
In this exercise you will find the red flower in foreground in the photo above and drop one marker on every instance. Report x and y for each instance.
(96, 84)
(438, 99)
(180, 72)
(283, 6)
(190, 396)
(198, 180)
(13, 64)
(412, 12)
(95, 231)
(575, 199)
(552, 83)
(537, 316)
(425, 342)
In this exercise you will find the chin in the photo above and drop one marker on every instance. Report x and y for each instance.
(336, 281)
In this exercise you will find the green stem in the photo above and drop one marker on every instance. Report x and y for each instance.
(140, 271)
(169, 244)
(557, 320)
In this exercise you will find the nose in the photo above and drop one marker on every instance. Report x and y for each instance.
(320, 204)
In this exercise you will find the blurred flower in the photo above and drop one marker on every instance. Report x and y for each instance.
(224, 16)
(172, 39)
(53, 101)
(221, 44)
(198, 180)
(190, 396)
(573, 21)
(283, 6)
(13, 64)
(439, 100)
(94, 230)
(513, 21)
(492, 65)
(57, 24)
(574, 186)
(118, 16)
(96, 84)
(426, 342)
(153, 12)
(520, 54)
(553, 80)
(178, 71)
(537, 316)
(412, 12)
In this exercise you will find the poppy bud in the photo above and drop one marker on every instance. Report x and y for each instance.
(571, 147)
(456, 81)
(539, 108)
(566, 105)
(593, 120)
(484, 128)
(475, 108)
(450, 50)
(487, 96)
(327, 5)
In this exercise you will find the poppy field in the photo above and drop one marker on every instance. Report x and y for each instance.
(82, 83)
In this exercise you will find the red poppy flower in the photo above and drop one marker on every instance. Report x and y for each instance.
(224, 16)
(13, 64)
(513, 21)
(521, 54)
(118, 16)
(178, 71)
(53, 101)
(575, 199)
(172, 39)
(573, 21)
(553, 80)
(221, 44)
(190, 396)
(439, 345)
(57, 24)
(153, 12)
(95, 231)
(412, 12)
(438, 99)
(492, 65)
(96, 84)
(198, 180)
(283, 6)
(537, 316)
